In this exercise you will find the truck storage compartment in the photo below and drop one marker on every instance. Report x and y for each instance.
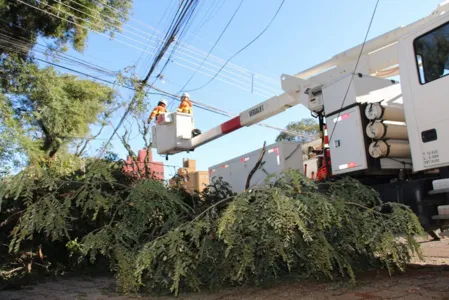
(278, 157)
(347, 141)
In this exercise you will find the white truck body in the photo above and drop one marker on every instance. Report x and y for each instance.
(278, 157)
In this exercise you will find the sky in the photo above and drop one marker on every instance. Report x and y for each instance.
(304, 34)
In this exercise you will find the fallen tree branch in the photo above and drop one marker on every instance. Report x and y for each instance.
(259, 161)
(6, 273)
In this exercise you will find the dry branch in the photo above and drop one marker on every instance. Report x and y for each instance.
(258, 163)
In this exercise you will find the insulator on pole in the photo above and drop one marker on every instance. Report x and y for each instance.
(378, 130)
(381, 149)
(375, 111)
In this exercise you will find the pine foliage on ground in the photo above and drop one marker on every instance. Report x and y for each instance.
(163, 239)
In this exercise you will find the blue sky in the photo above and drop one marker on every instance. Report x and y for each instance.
(304, 33)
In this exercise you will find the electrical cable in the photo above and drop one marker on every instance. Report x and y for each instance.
(162, 93)
(231, 78)
(250, 43)
(162, 17)
(144, 82)
(237, 68)
(211, 109)
(355, 67)
(115, 38)
(215, 44)
(173, 96)
(180, 37)
(194, 49)
(115, 72)
(212, 16)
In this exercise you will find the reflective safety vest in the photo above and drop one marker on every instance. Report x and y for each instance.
(185, 107)
(158, 110)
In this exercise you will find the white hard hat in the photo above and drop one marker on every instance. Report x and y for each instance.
(163, 101)
(186, 95)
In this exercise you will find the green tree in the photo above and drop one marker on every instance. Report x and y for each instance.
(62, 21)
(306, 128)
(42, 111)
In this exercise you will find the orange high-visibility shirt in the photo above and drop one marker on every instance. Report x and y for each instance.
(157, 111)
(185, 106)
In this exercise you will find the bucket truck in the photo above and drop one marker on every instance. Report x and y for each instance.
(392, 135)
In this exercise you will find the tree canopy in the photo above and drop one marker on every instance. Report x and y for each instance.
(63, 21)
(306, 127)
(41, 110)
(46, 110)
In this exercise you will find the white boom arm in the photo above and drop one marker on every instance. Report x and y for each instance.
(253, 115)
(378, 58)
(378, 53)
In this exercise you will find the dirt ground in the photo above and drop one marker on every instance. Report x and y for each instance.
(427, 279)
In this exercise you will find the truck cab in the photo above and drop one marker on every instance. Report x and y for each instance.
(424, 64)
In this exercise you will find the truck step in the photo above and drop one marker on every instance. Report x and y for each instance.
(443, 210)
(440, 186)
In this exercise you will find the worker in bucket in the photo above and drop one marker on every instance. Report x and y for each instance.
(186, 105)
(158, 110)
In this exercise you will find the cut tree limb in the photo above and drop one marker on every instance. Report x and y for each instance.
(258, 163)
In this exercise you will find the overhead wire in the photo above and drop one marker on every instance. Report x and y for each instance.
(140, 49)
(162, 93)
(179, 37)
(143, 83)
(246, 46)
(355, 67)
(212, 15)
(166, 93)
(215, 44)
(213, 4)
(194, 51)
(170, 36)
(173, 96)
(154, 31)
(147, 62)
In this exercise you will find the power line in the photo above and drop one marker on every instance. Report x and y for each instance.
(175, 47)
(212, 16)
(355, 68)
(162, 93)
(215, 44)
(151, 36)
(144, 82)
(101, 33)
(194, 49)
(250, 43)
(167, 94)
(184, 66)
(154, 31)
(198, 104)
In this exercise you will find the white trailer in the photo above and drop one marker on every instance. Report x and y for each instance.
(278, 157)
(391, 135)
